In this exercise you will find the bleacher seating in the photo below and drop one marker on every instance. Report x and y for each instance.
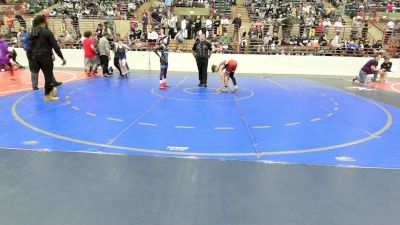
(222, 7)
(287, 41)
(37, 6)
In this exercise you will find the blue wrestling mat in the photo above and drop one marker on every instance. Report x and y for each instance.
(292, 120)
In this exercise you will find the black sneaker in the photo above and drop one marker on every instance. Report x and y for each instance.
(204, 85)
(200, 85)
(56, 84)
(35, 88)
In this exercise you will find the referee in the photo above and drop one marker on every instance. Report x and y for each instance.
(202, 51)
(43, 43)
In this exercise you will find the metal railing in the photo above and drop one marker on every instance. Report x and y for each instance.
(260, 49)
(255, 48)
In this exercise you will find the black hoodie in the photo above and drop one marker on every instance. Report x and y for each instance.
(43, 41)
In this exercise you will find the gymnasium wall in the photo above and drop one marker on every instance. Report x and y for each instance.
(248, 64)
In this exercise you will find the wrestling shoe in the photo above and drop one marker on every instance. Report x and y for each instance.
(56, 84)
(91, 74)
(204, 85)
(53, 92)
(162, 86)
(166, 84)
(234, 89)
(224, 90)
(35, 88)
(50, 98)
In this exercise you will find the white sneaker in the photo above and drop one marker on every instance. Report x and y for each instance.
(234, 89)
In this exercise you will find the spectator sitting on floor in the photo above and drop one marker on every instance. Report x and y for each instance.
(386, 67)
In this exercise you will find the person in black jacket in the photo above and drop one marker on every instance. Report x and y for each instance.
(42, 45)
(386, 66)
(202, 51)
(237, 22)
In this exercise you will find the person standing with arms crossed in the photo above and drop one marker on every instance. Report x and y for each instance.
(43, 43)
(202, 51)
(104, 50)
(237, 22)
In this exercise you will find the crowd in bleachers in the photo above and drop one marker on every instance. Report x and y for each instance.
(300, 24)
(191, 3)
(158, 19)
(354, 7)
(120, 9)
(204, 3)
(277, 26)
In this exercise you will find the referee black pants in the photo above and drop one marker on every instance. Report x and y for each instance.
(202, 64)
(104, 64)
(44, 62)
(33, 69)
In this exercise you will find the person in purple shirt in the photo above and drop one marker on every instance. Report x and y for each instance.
(371, 67)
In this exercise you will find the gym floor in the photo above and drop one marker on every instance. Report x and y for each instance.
(281, 150)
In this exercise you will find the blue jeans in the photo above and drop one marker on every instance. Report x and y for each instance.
(362, 76)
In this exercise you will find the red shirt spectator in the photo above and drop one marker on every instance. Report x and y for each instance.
(389, 6)
(87, 47)
(132, 24)
(320, 27)
(10, 21)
